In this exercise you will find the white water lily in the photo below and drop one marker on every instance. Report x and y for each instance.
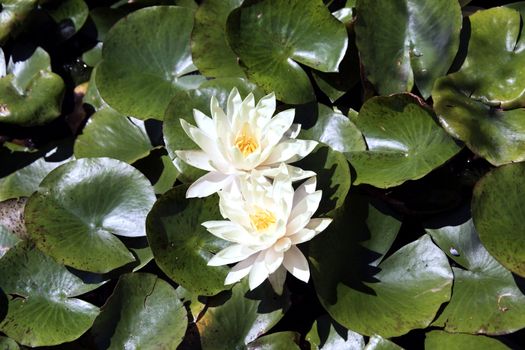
(266, 222)
(245, 138)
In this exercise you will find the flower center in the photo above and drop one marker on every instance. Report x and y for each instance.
(245, 142)
(262, 219)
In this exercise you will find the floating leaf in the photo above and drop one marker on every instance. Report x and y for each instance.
(13, 14)
(377, 342)
(81, 206)
(7, 240)
(181, 107)
(142, 313)
(420, 44)
(404, 141)
(12, 217)
(328, 335)
(42, 308)
(485, 297)
(30, 94)
(74, 11)
(436, 340)
(272, 37)
(401, 293)
(144, 65)
(255, 313)
(8, 344)
(110, 134)
(481, 103)
(210, 50)
(498, 215)
(276, 341)
(181, 245)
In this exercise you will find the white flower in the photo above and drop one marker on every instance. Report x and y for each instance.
(266, 222)
(244, 139)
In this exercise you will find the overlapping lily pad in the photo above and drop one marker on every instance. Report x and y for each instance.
(485, 298)
(14, 12)
(481, 103)
(401, 293)
(404, 141)
(74, 11)
(42, 307)
(142, 313)
(81, 206)
(181, 107)
(30, 93)
(144, 65)
(110, 134)
(255, 313)
(181, 246)
(499, 214)
(272, 37)
(7, 240)
(405, 41)
(436, 340)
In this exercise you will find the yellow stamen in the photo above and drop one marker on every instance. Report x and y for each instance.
(262, 219)
(246, 143)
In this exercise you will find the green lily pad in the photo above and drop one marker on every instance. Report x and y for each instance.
(420, 44)
(401, 293)
(110, 134)
(42, 307)
(181, 245)
(30, 93)
(255, 313)
(272, 37)
(485, 297)
(328, 335)
(75, 11)
(333, 177)
(13, 14)
(12, 217)
(436, 340)
(23, 182)
(7, 240)
(181, 107)
(377, 342)
(276, 341)
(8, 344)
(142, 313)
(498, 215)
(81, 206)
(159, 169)
(481, 103)
(404, 141)
(335, 130)
(210, 50)
(144, 65)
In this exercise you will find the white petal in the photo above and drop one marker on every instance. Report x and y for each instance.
(290, 151)
(202, 140)
(293, 132)
(227, 230)
(277, 127)
(230, 208)
(259, 272)
(204, 123)
(303, 211)
(307, 187)
(240, 270)
(273, 260)
(266, 106)
(231, 254)
(312, 229)
(318, 224)
(295, 262)
(234, 104)
(294, 173)
(277, 280)
(208, 184)
(197, 159)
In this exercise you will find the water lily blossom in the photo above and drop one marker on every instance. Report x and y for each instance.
(244, 139)
(265, 222)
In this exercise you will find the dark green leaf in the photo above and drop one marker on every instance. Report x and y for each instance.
(437, 340)
(276, 341)
(75, 11)
(13, 14)
(181, 245)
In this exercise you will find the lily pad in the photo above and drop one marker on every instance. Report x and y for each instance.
(436, 340)
(181, 246)
(110, 134)
(404, 141)
(74, 11)
(210, 50)
(8, 344)
(142, 313)
(481, 103)
(272, 37)
(181, 107)
(13, 14)
(276, 341)
(420, 44)
(81, 206)
(401, 293)
(144, 65)
(328, 335)
(335, 130)
(42, 307)
(30, 93)
(255, 313)
(377, 342)
(485, 297)
(7, 240)
(498, 215)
